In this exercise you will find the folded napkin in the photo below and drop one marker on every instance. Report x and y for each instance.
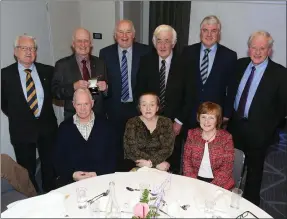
(147, 169)
(50, 205)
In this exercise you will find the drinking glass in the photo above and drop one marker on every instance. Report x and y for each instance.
(235, 198)
(82, 197)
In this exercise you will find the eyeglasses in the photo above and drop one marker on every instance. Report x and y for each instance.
(262, 49)
(26, 48)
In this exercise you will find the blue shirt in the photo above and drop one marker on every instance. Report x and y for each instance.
(129, 56)
(211, 56)
(254, 84)
(37, 82)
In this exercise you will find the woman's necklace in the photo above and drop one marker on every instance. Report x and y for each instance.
(207, 140)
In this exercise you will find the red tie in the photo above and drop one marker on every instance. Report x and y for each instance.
(86, 75)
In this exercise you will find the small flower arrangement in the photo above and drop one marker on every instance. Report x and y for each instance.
(143, 209)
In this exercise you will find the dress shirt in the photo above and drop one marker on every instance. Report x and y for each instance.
(84, 129)
(254, 85)
(211, 56)
(37, 82)
(129, 56)
(167, 65)
(80, 64)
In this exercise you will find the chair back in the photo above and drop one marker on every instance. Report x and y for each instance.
(238, 166)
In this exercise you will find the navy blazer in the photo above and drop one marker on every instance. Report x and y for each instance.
(222, 75)
(110, 56)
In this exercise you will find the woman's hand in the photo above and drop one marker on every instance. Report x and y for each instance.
(80, 175)
(163, 166)
(143, 163)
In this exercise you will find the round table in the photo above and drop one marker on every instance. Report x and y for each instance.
(183, 190)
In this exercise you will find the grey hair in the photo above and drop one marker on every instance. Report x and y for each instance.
(16, 43)
(211, 19)
(124, 20)
(82, 90)
(264, 33)
(161, 28)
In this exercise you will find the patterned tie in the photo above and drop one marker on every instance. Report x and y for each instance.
(31, 92)
(124, 74)
(162, 83)
(204, 66)
(86, 75)
(244, 95)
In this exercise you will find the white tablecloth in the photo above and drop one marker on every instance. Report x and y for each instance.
(182, 189)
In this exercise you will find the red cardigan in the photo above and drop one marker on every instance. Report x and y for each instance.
(221, 154)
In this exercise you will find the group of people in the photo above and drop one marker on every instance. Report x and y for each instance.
(150, 102)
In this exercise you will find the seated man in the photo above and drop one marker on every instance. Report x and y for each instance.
(84, 146)
(15, 182)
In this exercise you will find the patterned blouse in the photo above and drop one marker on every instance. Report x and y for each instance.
(221, 154)
(139, 143)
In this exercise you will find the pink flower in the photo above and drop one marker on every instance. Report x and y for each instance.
(141, 210)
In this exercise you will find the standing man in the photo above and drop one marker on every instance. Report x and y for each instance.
(159, 73)
(75, 71)
(259, 107)
(212, 67)
(26, 100)
(122, 60)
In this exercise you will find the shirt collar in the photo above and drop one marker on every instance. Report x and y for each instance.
(22, 67)
(77, 119)
(81, 58)
(213, 48)
(168, 59)
(129, 50)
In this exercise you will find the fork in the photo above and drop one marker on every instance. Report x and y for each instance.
(98, 196)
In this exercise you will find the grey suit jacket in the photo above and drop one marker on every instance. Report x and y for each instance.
(67, 72)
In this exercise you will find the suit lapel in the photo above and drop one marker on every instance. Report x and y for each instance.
(75, 69)
(18, 85)
(171, 75)
(134, 67)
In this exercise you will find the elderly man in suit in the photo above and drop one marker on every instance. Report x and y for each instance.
(260, 106)
(159, 73)
(26, 100)
(211, 66)
(122, 60)
(75, 71)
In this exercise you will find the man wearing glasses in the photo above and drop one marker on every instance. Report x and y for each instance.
(26, 100)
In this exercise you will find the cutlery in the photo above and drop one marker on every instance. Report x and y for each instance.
(185, 207)
(98, 196)
(131, 189)
(165, 213)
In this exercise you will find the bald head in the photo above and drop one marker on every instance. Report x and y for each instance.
(124, 33)
(82, 42)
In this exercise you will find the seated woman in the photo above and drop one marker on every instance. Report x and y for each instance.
(84, 146)
(209, 151)
(149, 138)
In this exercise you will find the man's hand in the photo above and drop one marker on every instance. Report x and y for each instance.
(176, 128)
(143, 163)
(80, 175)
(81, 84)
(163, 166)
(102, 85)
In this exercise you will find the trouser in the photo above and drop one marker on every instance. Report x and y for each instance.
(26, 157)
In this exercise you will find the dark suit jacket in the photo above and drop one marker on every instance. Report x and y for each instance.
(23, 126)
(148, 80)
(269, 105)
(216, 88)
(67, 72)
(110, 56)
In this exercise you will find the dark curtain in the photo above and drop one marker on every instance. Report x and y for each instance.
(173, 13)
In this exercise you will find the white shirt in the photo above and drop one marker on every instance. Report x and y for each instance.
(167, 65)
(205, 167)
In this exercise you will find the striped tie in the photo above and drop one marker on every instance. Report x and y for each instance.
(125, 81)
(204, 66)
(31, 92)
(162, 84)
